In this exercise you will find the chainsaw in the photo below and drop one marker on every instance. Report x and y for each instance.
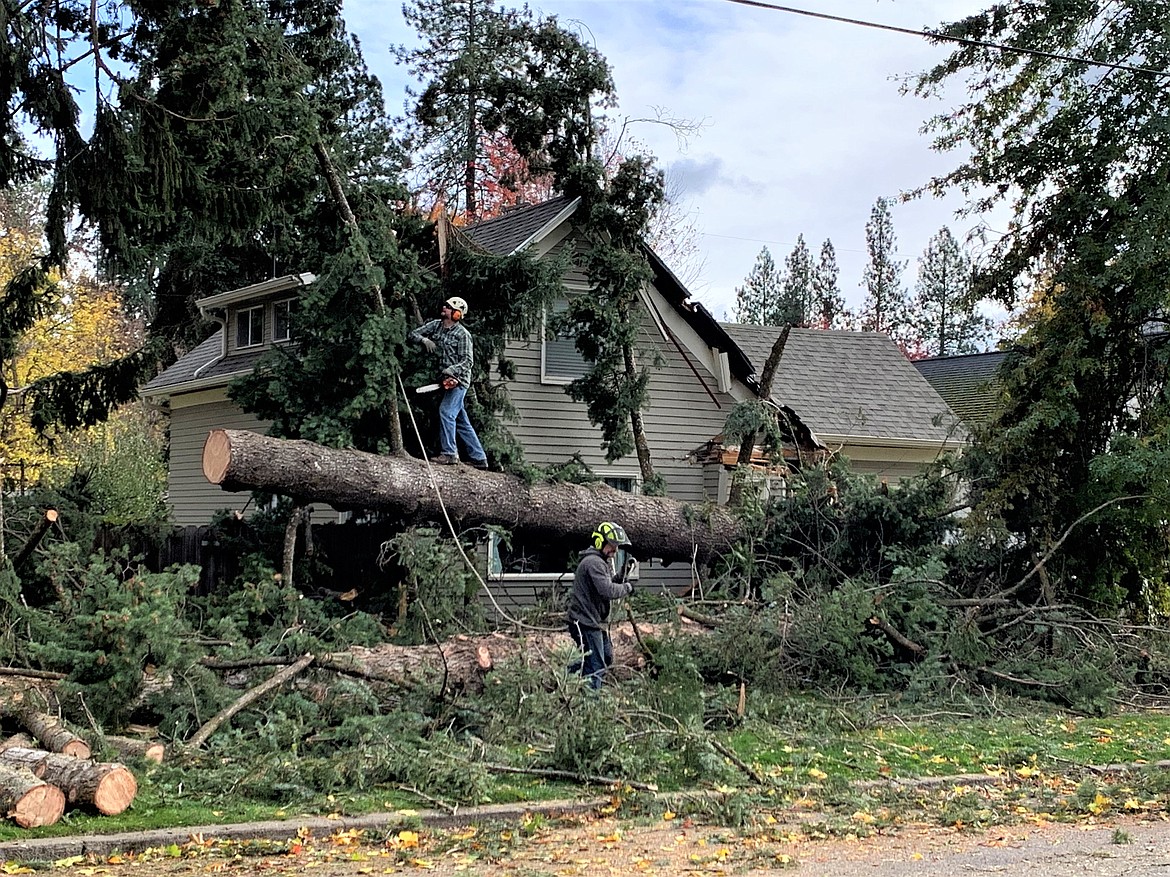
(428, 388)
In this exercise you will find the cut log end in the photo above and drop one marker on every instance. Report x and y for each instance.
(40, 805)
(217, 456)
(76, 748)
(115, 792)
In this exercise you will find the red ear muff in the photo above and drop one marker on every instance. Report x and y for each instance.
(456, 314)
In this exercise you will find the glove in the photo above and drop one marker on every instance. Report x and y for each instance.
(450, 383)
(428, 344)
(629, 588)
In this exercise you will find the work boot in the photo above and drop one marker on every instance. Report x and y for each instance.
(445, 460)
(479, 464)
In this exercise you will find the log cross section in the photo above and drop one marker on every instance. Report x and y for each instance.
(660, 527)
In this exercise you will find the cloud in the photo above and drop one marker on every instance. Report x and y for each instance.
(697, 176)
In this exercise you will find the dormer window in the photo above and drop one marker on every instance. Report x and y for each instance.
(282, 312)
(250, 327)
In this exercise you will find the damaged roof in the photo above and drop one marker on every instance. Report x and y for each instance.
(855, 385)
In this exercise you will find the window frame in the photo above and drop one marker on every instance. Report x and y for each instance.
(547, 377)
(290, 305)
(247, 314)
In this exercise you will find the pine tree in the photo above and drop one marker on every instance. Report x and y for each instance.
(828, 303)
(206, 172)
(755, 299)
(885, 306)
(466, 46)
(489, 73)
(946, 310)
(794, 305)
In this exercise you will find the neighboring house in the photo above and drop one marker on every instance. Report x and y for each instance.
(859, 395)
(969, 384)
(698, 370)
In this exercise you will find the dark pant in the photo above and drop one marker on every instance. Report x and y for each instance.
(598, 649)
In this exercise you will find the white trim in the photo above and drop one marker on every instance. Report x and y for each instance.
(541, 232)
(266, 287)
(194, 385)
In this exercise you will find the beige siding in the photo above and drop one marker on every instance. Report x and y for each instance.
(193, 499)
(686, 409)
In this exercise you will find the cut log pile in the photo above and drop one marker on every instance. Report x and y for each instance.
(38, 784)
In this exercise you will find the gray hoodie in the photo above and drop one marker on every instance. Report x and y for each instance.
(593, 589)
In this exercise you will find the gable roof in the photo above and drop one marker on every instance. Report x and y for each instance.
(854, 385)
(521, 227)
(516, 229)
(968, 383)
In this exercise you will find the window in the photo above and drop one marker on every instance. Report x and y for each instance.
(530, 558)
(282, 316)
(562, 361)
(624, 483)
(250, 327)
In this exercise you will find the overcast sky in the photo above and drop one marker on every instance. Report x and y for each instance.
(803, 123)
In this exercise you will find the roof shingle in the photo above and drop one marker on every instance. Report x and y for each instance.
(506, 233)
(850, 384)
(968, 383)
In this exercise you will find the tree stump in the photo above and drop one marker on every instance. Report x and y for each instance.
(107, 787)
(27, 800)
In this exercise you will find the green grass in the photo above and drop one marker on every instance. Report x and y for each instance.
(807, 744)
(953, 745)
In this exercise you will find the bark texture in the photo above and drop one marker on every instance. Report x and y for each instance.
(659, 527)
(106, 787)
(53, 734)
(28, 801)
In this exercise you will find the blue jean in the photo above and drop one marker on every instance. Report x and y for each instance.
(598, 649)
(453, 421)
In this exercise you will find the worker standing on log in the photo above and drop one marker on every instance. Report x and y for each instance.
(595, 585)
(450, 338)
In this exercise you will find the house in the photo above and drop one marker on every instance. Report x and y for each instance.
(969, 383)
(698, 370)
(859, 395)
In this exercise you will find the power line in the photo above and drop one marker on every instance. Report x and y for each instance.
(966, 41)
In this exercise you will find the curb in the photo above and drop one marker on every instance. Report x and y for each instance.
(50, 849)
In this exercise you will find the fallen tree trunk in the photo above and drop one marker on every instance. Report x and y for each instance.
(660, 527)
(106, 787)
(28, 801)
(53, 734)
(134, 747)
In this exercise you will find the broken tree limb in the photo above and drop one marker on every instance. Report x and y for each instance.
(253, 694)
(52, 733)
(897, 637)
(660, 527)
(107, 787)
(27, 800)
(47, 520)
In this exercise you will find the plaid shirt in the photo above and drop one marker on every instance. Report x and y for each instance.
(455, 349)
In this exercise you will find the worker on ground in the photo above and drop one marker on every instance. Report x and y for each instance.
(595, 585)
(450, 339)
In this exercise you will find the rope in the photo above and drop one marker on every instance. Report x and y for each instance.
(454, 533)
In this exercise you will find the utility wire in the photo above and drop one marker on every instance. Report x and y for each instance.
(965, 41)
